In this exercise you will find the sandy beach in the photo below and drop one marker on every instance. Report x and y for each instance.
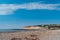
(31, 35)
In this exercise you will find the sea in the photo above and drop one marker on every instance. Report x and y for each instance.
(18, 30)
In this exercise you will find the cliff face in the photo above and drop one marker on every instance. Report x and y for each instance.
(35, 27)
(32, 27)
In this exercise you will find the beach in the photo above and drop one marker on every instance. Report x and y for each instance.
(31, 35)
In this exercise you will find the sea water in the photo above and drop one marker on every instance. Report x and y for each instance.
(18, 30)
(13, 30)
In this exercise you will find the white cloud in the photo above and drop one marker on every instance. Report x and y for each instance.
(31, 6)
(6, 9)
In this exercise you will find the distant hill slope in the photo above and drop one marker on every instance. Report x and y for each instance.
(47, 26)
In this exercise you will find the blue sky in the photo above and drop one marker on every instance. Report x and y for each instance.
(15, 14)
